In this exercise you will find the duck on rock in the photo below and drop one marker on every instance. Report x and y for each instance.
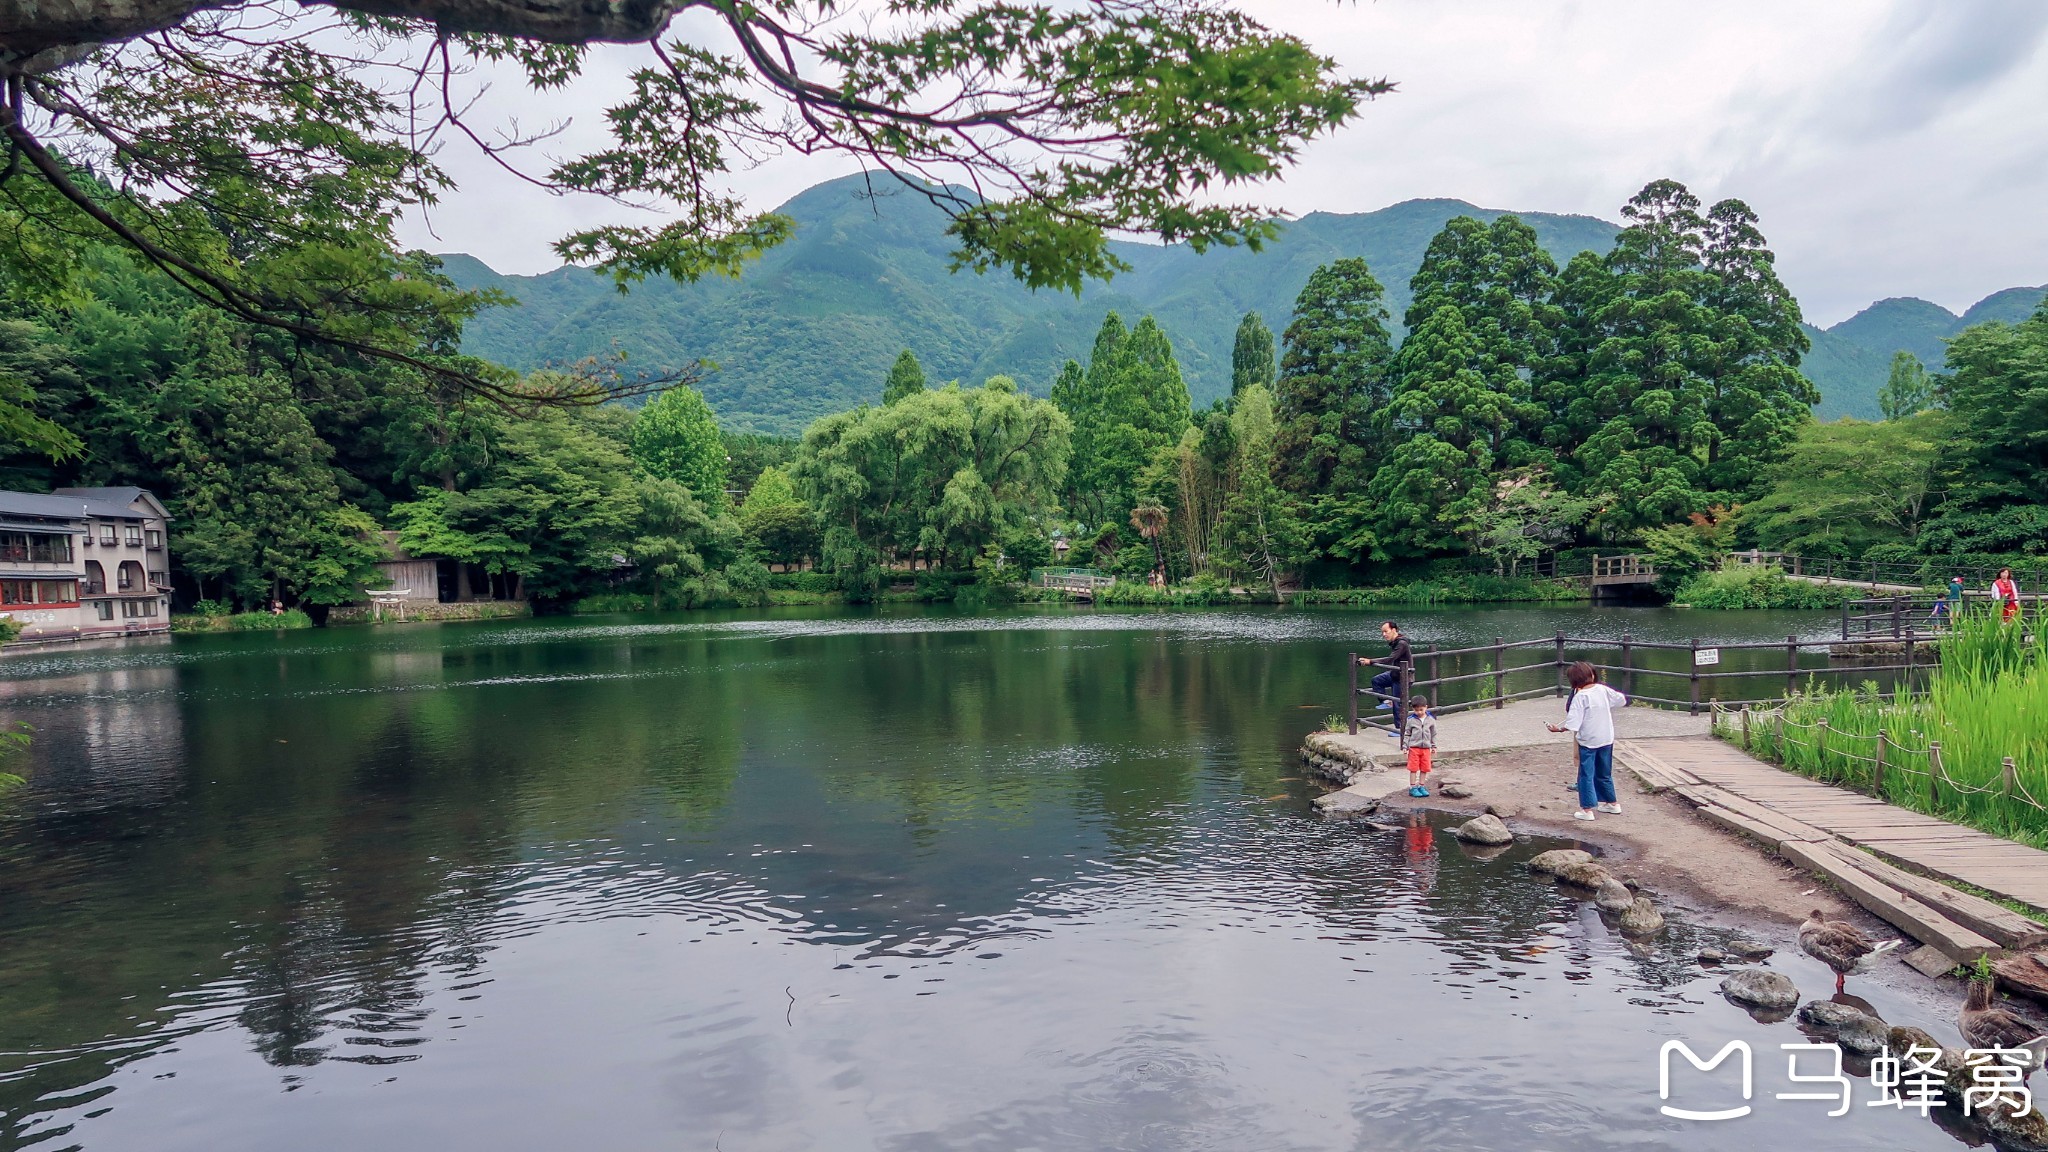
(1985, 1025)
(1838, 944)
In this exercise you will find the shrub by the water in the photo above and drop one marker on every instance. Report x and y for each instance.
(1756, 586)
(1984, 703)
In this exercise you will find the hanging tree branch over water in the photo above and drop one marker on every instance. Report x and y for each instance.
(259, 154)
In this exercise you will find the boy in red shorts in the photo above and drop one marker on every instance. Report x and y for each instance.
(1418, 736)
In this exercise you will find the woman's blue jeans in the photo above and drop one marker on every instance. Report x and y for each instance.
(1596, 776)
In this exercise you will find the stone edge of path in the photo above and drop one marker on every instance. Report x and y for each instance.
(1952, 926)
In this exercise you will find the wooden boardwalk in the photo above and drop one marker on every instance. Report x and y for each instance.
(1817, 824)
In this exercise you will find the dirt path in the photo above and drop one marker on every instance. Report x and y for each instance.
(1659, 841)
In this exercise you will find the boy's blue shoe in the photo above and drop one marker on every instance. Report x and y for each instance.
(1421, 791)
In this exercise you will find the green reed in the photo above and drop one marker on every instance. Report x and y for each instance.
(1988, 700)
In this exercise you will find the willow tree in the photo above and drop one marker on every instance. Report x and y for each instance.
(305, 130)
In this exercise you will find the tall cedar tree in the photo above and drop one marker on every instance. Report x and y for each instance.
(906, 377)
(1252, 358)
(1463, 407)
(1677, 375)
(1334, 379)
(1130, 403)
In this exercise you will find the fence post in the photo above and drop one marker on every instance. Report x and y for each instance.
(1435, 674)
(1560, 655)
(1407, 690)
(1693, 674)
(1628, 670)
(1500, 658)
(1820, 747)
(2009, 772)
(1791, 666)
(1351, 660)
(1898, 616)
(1909, 664)
(1845, 619)
(1877, 770)
(1933, 773)
(1745, 726)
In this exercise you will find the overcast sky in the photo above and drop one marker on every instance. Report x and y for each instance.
(1891, 147)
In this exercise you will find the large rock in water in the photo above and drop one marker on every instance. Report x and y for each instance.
(1587, 875)
(1643, 919)
(1484, 830)
(1547, 863)
(1761, 988)
(1853, 1028)
(1613, 896)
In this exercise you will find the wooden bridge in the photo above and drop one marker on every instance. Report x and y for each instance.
(1079, 583)
(1615, 575)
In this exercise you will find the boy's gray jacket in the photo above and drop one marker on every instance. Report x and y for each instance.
(1419, 732)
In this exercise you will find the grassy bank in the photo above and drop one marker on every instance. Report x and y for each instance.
(1460, 588)
(1987, 701)
(1750, 586)
(240, 621)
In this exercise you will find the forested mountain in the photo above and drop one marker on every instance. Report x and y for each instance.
(813, 328)
(1850, 360)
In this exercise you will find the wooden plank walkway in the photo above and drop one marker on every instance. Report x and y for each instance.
(1713, 772)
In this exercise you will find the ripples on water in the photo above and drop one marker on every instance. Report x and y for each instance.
(775, 884)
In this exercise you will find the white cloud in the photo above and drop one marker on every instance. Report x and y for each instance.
(1891, 149)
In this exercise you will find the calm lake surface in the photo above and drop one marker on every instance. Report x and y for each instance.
(811, 880)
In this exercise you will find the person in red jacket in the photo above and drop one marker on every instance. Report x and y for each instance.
(2007, 593)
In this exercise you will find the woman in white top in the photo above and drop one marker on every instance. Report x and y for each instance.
(1591, 718)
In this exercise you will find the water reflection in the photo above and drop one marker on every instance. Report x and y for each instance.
(783, 884)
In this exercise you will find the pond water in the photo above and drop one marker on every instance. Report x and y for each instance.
(809, 880)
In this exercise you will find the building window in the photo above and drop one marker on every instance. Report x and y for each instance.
(107, 535)
(137, 608)
(159, 579)
(130, 576)
(132, 534)
(104, 609)
(38, 592)
(154, 538)
(95, 578)
(34, 548)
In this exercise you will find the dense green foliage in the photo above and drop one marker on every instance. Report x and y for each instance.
(676, 437)
(1760, 586)
(942, 476)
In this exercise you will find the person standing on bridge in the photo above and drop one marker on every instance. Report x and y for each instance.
(1387, 685)
(2007, 593)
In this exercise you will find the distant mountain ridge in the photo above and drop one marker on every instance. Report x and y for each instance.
(813, 326)
(1851, 360)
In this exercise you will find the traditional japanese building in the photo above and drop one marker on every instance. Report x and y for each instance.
(85, 562)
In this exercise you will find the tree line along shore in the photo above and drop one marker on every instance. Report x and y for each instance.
(1645, 399)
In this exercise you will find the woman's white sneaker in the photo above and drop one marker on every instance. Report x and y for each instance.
(1614, 808)
(1583, 814)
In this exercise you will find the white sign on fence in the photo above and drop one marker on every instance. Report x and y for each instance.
(1701, 657)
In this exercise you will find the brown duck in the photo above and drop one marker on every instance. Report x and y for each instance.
(1838, 944)
(1985, 1025)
